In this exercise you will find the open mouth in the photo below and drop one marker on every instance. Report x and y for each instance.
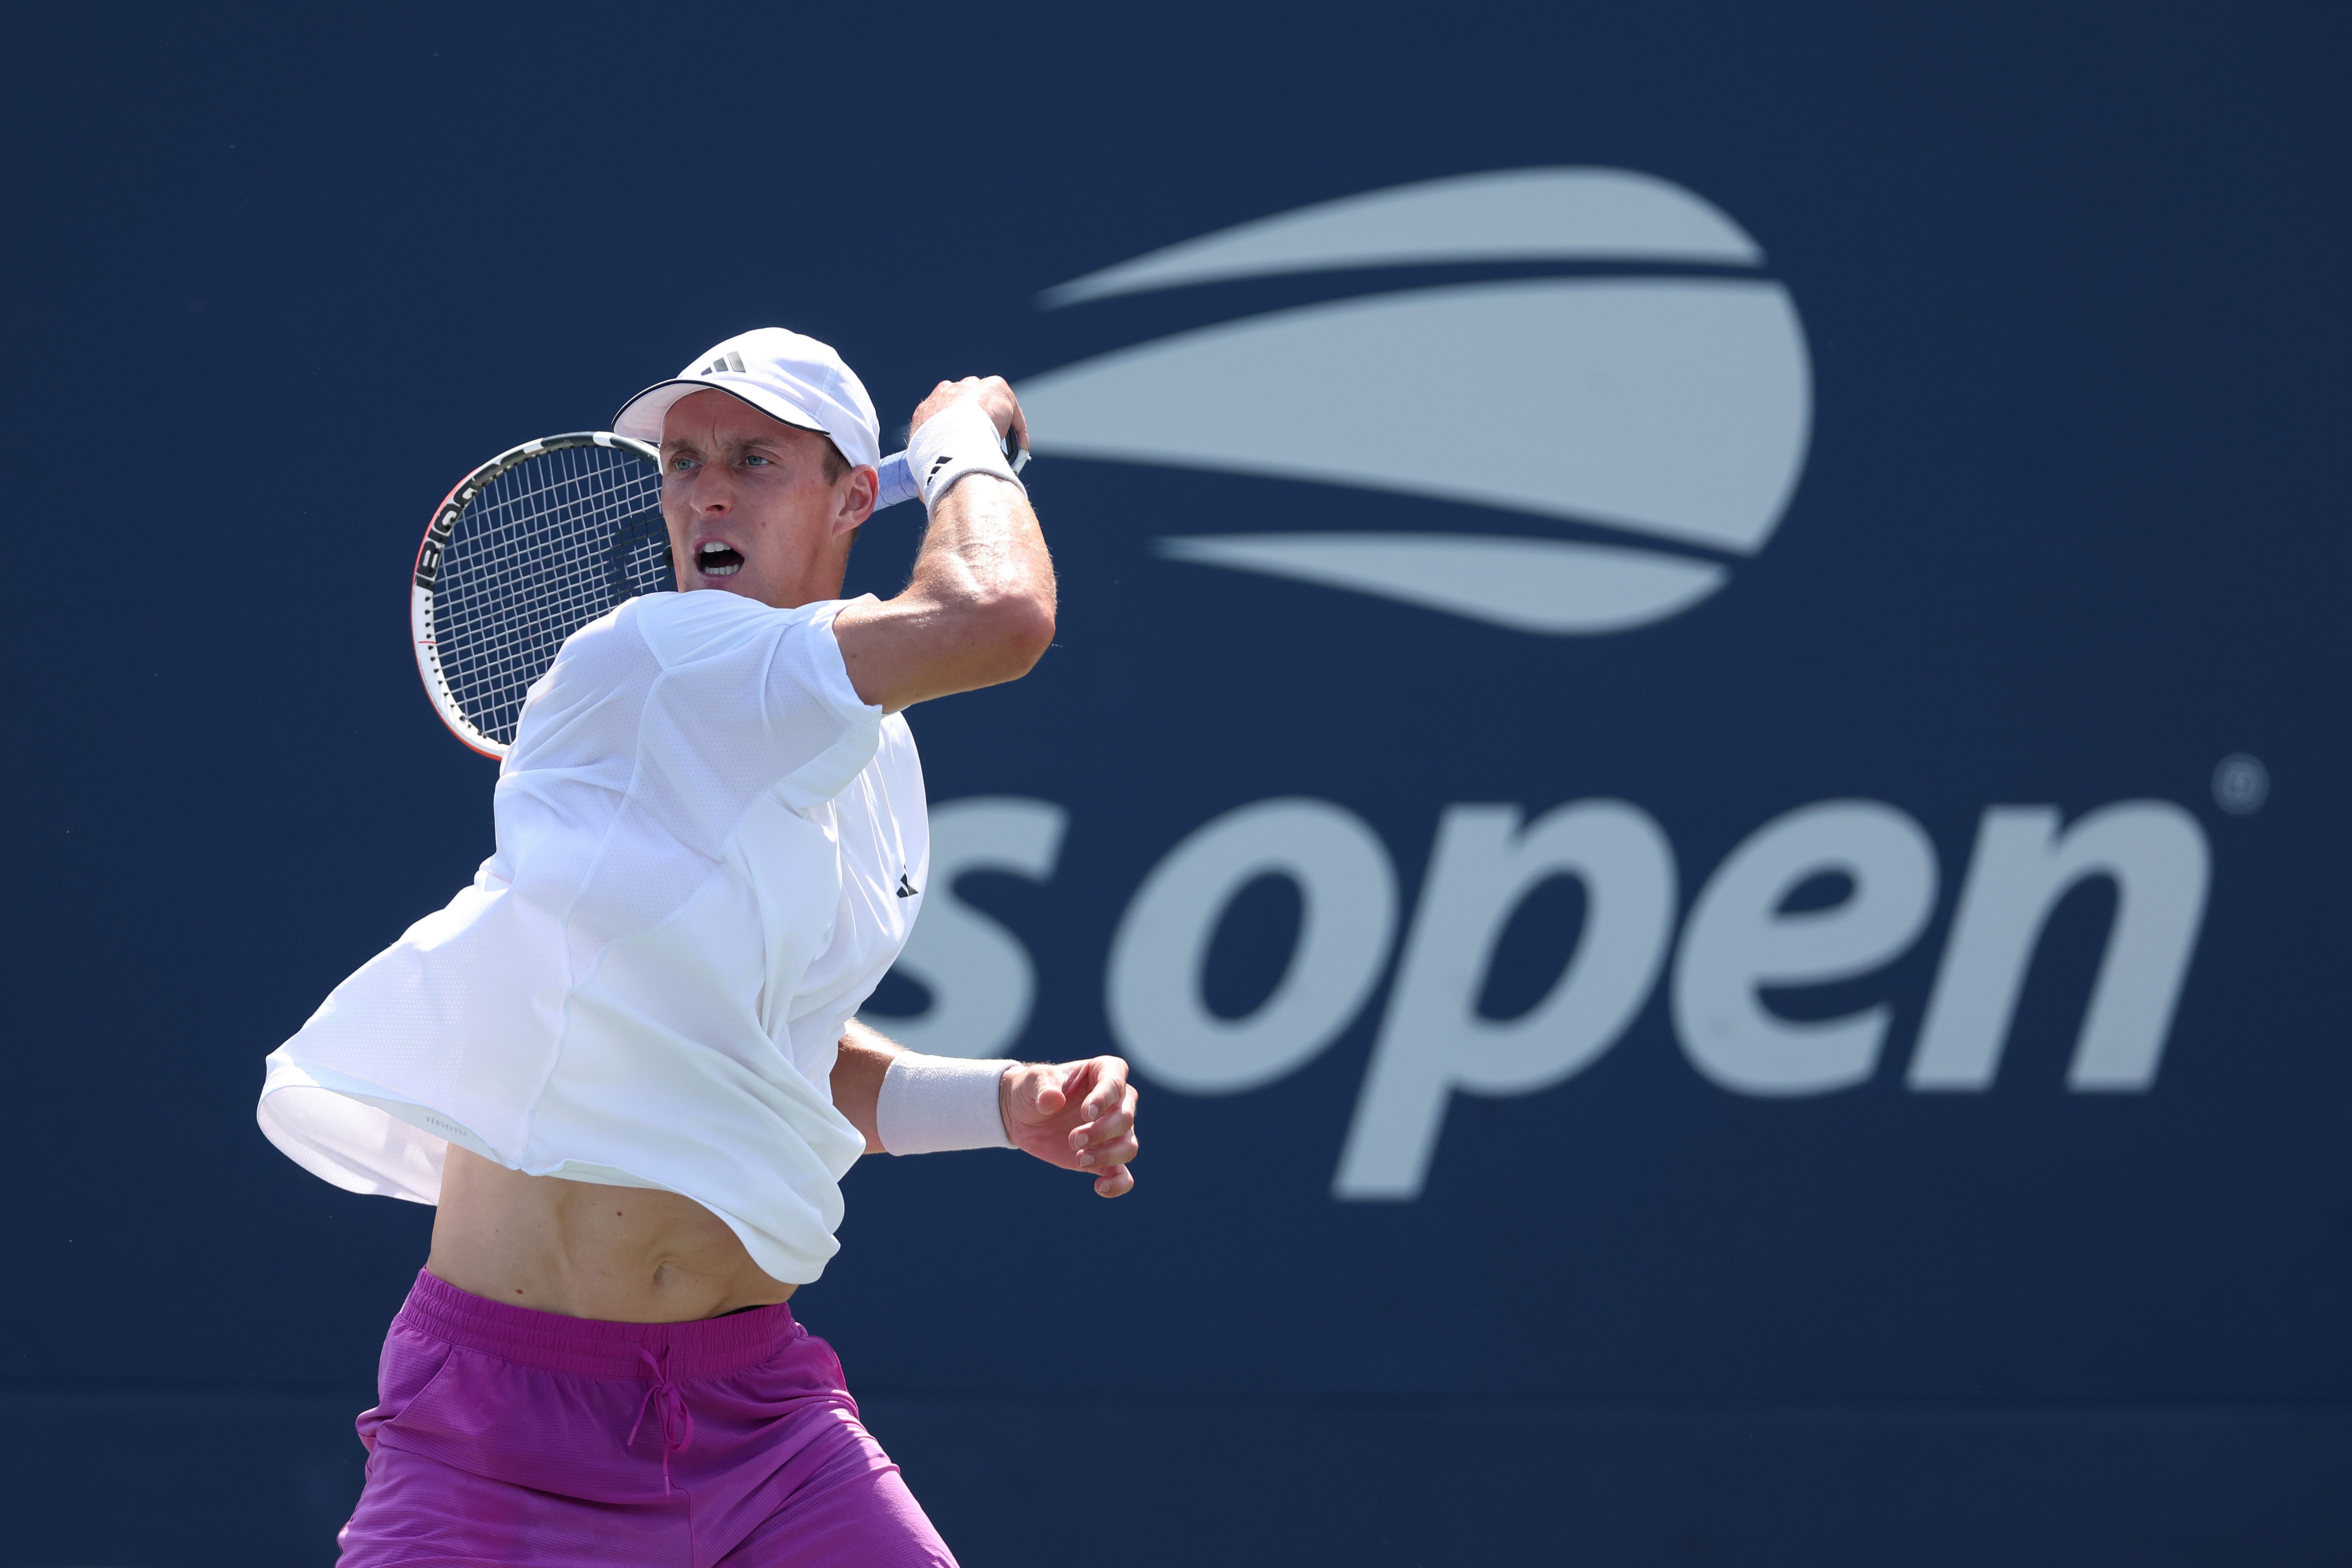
(718, 561)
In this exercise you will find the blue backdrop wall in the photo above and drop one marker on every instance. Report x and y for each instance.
(1699, 753)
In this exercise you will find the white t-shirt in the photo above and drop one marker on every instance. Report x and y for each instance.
(708, 852)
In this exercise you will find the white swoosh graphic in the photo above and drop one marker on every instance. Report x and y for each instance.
(1548, 585)
(1673, 408)
(1549, 214)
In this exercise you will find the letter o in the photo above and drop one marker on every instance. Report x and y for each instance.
(1346, 894)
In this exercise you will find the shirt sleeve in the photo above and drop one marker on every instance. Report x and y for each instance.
(757, 698)
(808, 678)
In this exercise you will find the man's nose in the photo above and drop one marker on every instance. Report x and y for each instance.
(711, 494)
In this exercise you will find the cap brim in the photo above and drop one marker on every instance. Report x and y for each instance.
(640, 417)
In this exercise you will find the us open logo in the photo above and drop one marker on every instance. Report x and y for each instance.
(1666, 413)
(1619, 433)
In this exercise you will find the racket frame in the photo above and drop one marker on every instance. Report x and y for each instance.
(429, 567)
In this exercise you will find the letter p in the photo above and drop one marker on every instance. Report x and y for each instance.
(1433, 1039)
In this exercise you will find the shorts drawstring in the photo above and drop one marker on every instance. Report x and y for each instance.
(677, 1422)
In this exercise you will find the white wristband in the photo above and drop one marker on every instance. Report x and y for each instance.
(959, 440)
(930, 1104)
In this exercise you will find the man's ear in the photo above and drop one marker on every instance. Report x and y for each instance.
(853, 500)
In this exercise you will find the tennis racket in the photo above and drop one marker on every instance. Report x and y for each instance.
(534, 545)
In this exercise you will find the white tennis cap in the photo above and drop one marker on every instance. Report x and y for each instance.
(783, 375)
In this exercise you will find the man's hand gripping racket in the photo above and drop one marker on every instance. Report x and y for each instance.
(534, 545)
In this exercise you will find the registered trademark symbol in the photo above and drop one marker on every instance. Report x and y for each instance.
(2241, 784)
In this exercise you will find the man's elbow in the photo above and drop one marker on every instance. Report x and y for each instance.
(1015, 632)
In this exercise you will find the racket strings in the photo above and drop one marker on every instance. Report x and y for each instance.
(547, 547)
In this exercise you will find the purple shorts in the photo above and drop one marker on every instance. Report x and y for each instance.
(509, 1438)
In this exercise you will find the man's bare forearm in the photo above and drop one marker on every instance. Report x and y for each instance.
(857, 1071)
(983, 550)
(979, 608)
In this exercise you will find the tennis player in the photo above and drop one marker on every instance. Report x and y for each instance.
(623, 1061)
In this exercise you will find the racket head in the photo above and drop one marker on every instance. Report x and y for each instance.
(523, 551)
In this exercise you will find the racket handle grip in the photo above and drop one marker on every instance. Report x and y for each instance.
(898, 480)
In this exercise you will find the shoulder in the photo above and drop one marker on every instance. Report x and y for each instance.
(608, 652)
(633, 645)
(708, 623)
(680, 626)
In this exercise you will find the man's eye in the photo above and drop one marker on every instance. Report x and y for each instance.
(753, 458)
(680, 465)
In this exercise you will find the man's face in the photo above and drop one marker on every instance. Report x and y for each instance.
(749, 507)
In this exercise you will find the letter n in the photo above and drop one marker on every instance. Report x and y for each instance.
(2154, 854)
